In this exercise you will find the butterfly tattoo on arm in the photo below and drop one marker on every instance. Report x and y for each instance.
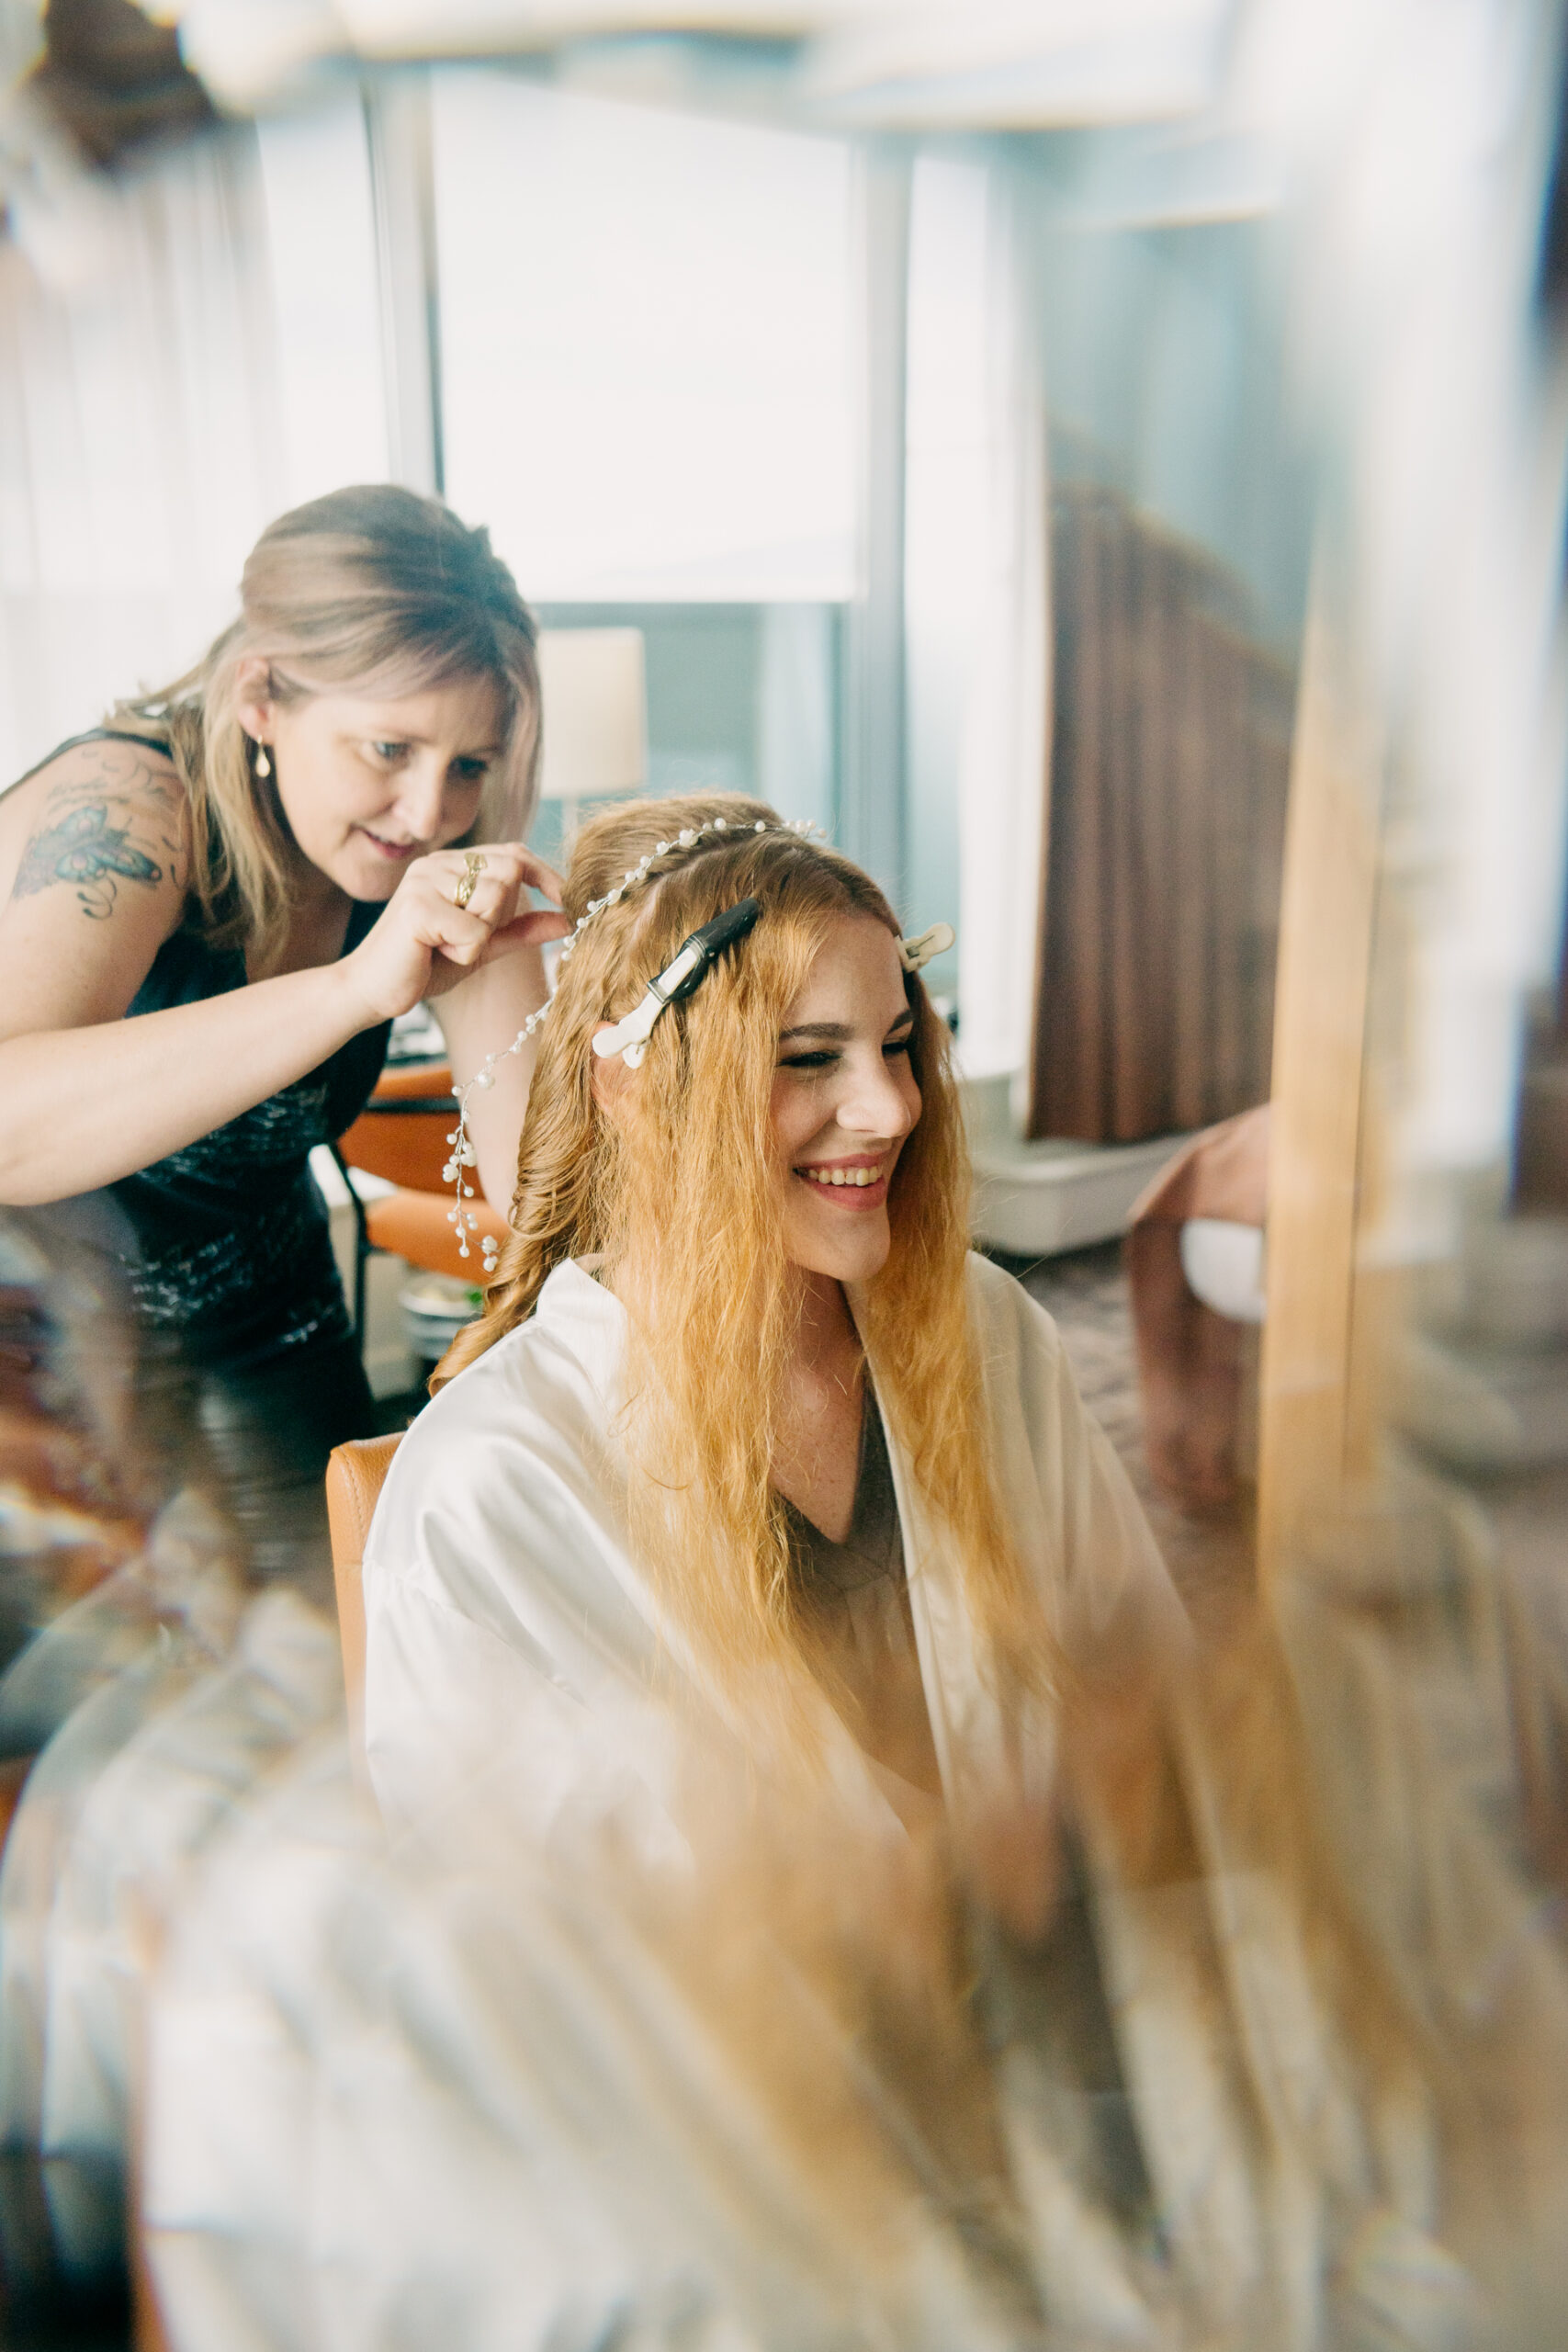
(88, 841)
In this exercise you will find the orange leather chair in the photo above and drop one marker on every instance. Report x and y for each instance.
(355, 1475)
(402, 1135)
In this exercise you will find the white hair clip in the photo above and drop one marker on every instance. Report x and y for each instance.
(649, 868)
(629, 1038)
(914, 954)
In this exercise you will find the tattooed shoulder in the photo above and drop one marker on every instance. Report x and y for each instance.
(117, 818)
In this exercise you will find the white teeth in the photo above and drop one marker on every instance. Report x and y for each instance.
(857, 1177)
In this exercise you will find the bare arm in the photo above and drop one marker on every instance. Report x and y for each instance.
(94, 851)
(479, 1017)
(86, 1106)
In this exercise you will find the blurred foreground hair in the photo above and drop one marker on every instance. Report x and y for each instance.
(679, 1192)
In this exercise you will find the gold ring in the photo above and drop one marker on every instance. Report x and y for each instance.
(473, 866)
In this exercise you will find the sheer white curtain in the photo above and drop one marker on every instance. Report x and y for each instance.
(974, 597)
(183, 354)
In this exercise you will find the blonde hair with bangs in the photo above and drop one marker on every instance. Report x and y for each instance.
(678, 1191)
(372, 591)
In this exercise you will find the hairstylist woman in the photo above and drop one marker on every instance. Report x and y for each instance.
(264, 863)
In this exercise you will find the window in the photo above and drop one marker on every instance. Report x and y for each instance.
(648, 357)
(648, 383)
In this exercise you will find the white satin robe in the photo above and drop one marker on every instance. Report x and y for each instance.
(506, 1615)
(512, 1634)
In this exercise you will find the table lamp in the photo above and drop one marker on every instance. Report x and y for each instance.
(593, 690)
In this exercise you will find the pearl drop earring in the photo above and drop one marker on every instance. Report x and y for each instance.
(263, 765)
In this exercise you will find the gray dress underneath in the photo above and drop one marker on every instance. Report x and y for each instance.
(1045, 2004)
(853, 1601)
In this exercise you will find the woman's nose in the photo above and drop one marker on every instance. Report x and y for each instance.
(875, 1103)
(420, 796)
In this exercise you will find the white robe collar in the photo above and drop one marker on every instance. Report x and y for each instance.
(498, 1570)
(587, 1320)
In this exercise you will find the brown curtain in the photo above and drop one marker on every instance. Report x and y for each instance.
(1541, 1157)
(1164, 835)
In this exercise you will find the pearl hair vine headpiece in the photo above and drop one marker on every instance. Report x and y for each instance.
(463, 1157)
(913, 954)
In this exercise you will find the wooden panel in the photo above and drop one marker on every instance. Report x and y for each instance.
(1319, 1092)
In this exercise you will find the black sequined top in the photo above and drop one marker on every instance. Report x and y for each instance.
(233, 1247)
(228, 1244)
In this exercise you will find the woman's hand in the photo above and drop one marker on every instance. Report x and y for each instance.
(424, 943)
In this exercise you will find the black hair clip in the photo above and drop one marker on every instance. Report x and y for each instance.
(690, 969)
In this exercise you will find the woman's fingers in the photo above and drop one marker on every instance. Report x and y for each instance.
(542, 877)
(449, 965)
(488, 884)
(491, 881)
(513, 862)
(425, 940)
(471, 936)
(458, 933)
(530, 929)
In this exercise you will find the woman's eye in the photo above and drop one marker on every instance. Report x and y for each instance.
(469, 771)
(391, 752)
(807, 1061)
(896, 1045)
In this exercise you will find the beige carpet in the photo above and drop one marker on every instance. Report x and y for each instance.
(1085, 1294)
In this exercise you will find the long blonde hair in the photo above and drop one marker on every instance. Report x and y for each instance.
(372, 589)
(678, 1191)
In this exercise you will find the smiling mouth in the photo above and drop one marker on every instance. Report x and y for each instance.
(859, 1178)
(391, 849)
(849, 1183)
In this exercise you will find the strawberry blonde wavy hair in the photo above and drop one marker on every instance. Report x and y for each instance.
(678, 1189)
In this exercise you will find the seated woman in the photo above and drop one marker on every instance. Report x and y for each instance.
(754, 1513)
(743, 1422)
(749, 1458)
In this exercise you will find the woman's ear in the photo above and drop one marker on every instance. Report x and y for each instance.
(609, 1078)
(253, 704)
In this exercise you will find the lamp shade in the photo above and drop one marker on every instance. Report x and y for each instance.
(595, 712)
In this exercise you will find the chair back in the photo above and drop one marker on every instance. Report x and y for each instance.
(401, 1132)
(402, 1135)
(355, 1475)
